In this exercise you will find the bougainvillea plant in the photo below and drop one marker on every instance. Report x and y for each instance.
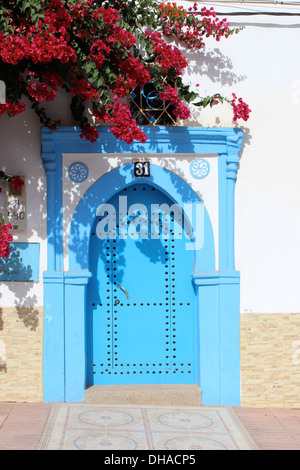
(5, 238)
(100, 50)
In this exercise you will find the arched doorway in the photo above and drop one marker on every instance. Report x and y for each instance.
(141, 303)
(217, 284)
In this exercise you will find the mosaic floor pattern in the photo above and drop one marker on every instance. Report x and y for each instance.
(97, 427)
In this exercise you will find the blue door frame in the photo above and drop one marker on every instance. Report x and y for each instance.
(64, 341)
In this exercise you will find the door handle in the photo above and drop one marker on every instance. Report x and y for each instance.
(124, 290)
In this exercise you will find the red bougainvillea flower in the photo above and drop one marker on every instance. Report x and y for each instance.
(133, 68)
(240, 109)
(123, 126)
(90, 133)
(83, 89)
(170, 94)
(17, 182)
(96, 50)
(5, 239)
(99, 52)
(11, 109)
(41, 92)
(167, 56)
(122, 86)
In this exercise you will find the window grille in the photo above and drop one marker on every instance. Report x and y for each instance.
(148, 109)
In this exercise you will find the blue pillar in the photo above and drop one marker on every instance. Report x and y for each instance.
(207, 289)
(64, 354)
(229, 295)
(219, 337)
(223, 235)
(231, 175)
(53, 327)
(75, 347)
(50, 165)
(218, 296)
(53, 338)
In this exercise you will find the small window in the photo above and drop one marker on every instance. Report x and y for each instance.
(148, 109)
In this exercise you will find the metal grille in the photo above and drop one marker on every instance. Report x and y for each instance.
(148, 109)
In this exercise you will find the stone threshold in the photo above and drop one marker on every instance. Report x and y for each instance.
(183, 395)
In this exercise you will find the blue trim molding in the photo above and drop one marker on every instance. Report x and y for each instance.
(217, 291)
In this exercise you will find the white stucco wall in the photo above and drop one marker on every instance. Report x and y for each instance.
(20, 154)
(261, 65)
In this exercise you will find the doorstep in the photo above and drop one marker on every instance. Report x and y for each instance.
(166, 395)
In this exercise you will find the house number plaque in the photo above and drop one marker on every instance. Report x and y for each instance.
(16, 207)
(141, 169)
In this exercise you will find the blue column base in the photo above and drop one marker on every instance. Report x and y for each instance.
(53, 338)
(64, 339)
(219, 337)
(75, 337)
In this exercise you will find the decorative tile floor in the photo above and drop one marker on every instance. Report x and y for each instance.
(97, 427)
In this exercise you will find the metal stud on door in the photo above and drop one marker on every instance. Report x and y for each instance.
(142, 307)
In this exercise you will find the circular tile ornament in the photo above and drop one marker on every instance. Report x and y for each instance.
(179, 420)
(106, 442)
(194, 443)
(199, 168)
(78, 172)
(105, 418)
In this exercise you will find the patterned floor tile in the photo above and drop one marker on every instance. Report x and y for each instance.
(190, 443)
(106, 418)
(96, 427)
(186, 420)
(105, 440)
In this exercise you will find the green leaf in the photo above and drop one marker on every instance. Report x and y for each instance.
(88, 67)
(100, 82)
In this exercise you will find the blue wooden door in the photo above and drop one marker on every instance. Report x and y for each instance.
(141, 301)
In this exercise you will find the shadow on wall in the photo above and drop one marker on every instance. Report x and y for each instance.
(20, 143)
(215, 65)
(20, 271)
(247, 138)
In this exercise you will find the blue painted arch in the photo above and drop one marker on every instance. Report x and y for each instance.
(174, 187)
